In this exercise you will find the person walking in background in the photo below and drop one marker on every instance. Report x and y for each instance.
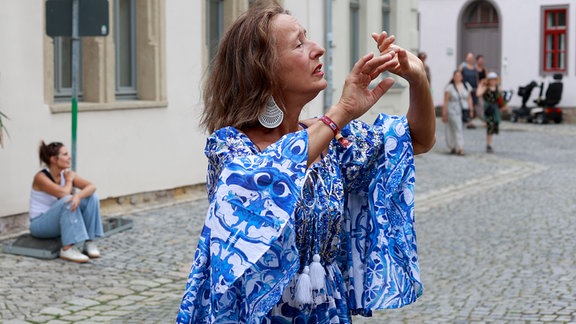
(491, 93)
(423, 56)
(457, 99)
(308, 220)
(482, 73)
(470, 75)
(56, 209)
(480, 66)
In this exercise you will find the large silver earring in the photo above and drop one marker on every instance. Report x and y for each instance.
(272, 116)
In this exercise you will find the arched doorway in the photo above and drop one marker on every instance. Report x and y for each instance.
(480, 33)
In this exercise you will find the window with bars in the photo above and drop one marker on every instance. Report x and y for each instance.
(554, 38)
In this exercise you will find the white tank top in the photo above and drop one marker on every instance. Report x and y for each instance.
(41, 201)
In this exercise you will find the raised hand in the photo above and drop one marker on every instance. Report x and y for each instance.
(404, 64)
(69, 175)
(356, 97)
(74, 202)
(421, 116)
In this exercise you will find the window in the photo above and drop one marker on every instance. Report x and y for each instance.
(215, 26)
(554, 38)
(63, 69)
(219, 15)
(387, 27)
(386, 16)
(354, 31)
(125, 45)
(122, 70)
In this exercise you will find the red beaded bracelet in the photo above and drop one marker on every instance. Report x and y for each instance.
(330, 123)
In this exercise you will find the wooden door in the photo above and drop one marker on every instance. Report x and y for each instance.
(480, 33)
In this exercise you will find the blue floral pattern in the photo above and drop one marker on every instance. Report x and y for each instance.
(269, 216)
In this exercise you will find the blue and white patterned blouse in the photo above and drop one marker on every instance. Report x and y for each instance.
(283, 243)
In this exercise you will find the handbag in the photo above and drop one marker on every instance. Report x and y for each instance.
(465, 111)
(500, 100)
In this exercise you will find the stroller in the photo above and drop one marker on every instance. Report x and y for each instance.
(545, 109)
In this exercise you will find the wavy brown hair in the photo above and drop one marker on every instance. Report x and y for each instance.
(242, 76)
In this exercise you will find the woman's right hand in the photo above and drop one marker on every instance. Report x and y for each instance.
(481, 88)
(356, 97)
(74, 202)
(69, 175)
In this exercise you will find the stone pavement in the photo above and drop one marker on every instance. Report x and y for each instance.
(496, 235)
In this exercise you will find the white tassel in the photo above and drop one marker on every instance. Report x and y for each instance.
(303, 294)
(317, 273)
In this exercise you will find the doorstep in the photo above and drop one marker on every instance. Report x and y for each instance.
(28, 245)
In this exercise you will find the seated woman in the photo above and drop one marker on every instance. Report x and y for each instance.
(57, 209)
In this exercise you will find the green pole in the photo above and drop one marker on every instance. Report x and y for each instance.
(75, 69)
(74, 130)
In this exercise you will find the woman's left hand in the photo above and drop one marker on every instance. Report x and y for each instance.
(404, 63)
(74, 202)
(421, 115)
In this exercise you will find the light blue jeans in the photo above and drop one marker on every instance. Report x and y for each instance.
(73, 227)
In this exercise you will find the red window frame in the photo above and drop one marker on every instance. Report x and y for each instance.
(554, 59)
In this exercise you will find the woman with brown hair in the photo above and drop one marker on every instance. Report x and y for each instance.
(308, 220)
(457, 100)
(64, 204)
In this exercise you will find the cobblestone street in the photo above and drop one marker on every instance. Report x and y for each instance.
(496, 237)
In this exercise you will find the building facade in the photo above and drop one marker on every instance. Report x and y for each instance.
(139, 87)
(520, 40)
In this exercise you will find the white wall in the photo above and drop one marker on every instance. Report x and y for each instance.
(521, 39)
(438, 40)
(21, 88)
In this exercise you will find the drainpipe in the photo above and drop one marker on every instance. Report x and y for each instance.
(328, 55)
